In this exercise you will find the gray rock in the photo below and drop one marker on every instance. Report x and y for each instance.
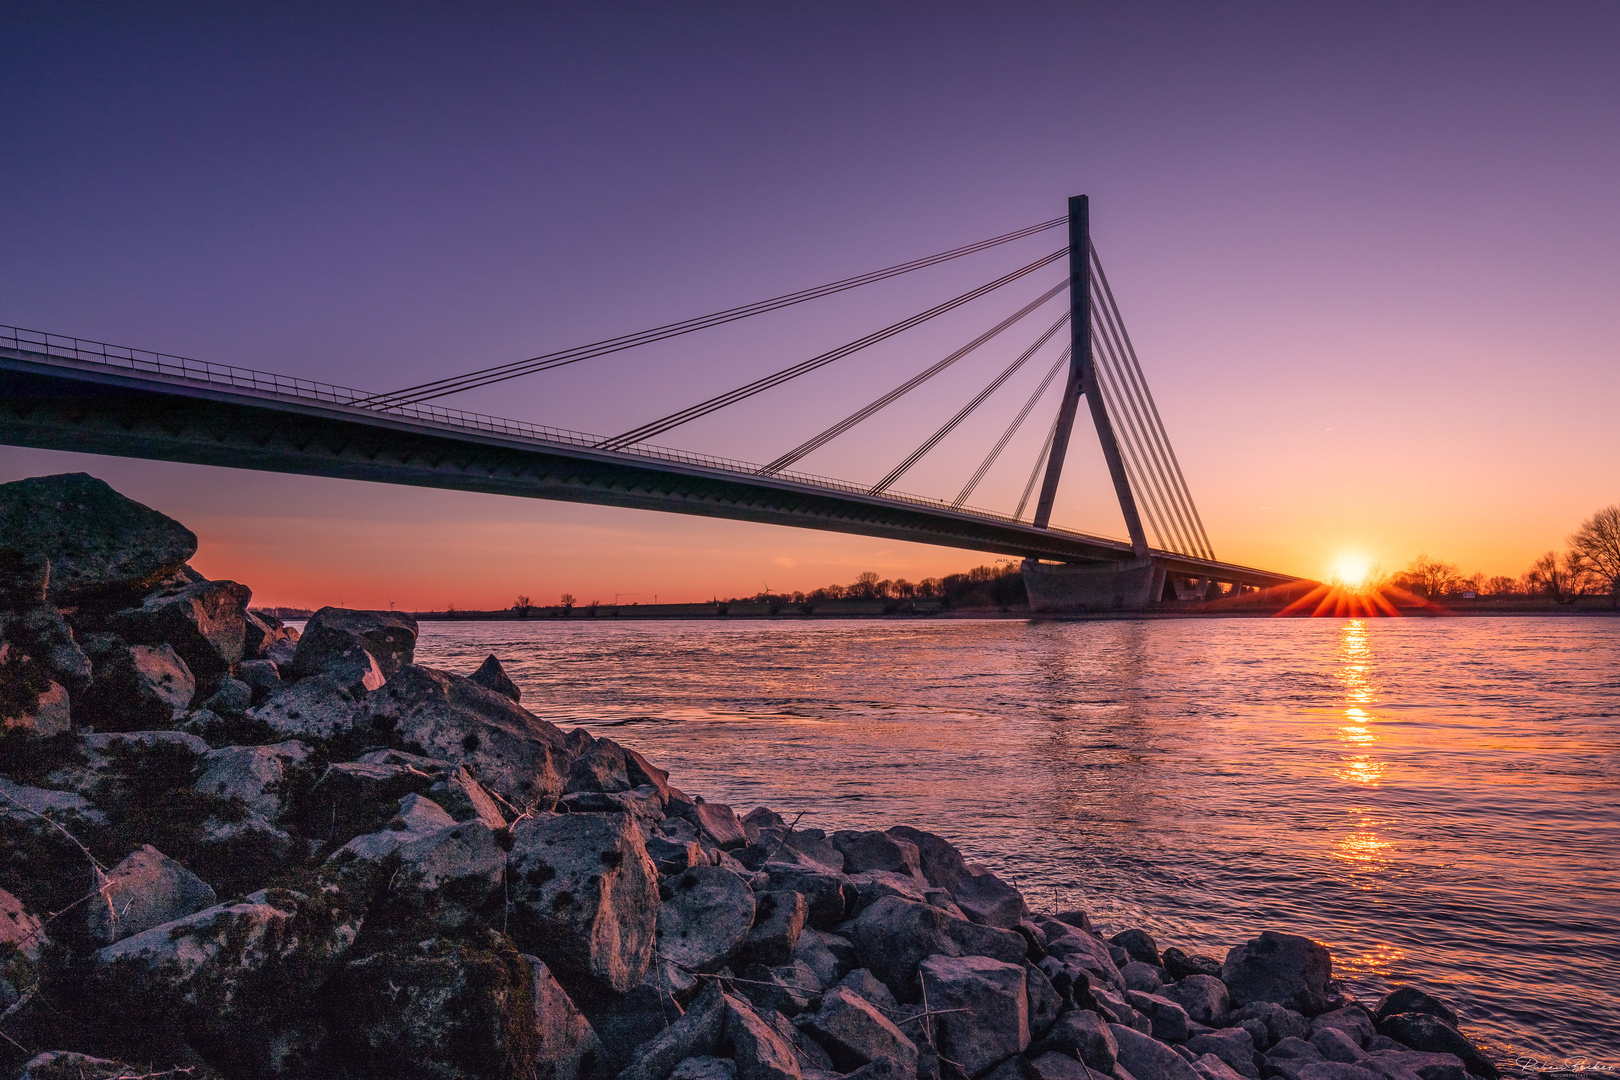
(1292, 1048)
(466, 800)
(994, 1021)
(695, 1034)
(321, 707)
(438, 1009)
(1425, 1031)
(449, 878)
(719, 824)
(830, 895)
(1352, 1020)
(705, 1068)
(878, 851)
(1179, 964)
(219, 973)
(760, 1051)
(1055, 1066)
(788, 989)
(989, 901)
(492, 676)
(1335, 1045)
(1404, 1064)
(389, 637)
(42, 633)
(1305, 1069)
(253, 774)
(1087, 953)
(779, 919)
(261, 676)
(99, 543)
(135, 688)
(1045, 1003)
(19, 931)
(1169, 1019)
(50, 714)
(1141, 977)
(706, 918)
(146, 889)
(205, 622)
(854, 1032)
(1276, 1022)
(941, 863)
(893, 936)
(567, 1046)
(233, 698)
(18, 802)
(1211, 1067)
(1084, 1035)
(355, 797)
(1138, 944)
(506, 748)
(584, 897)
(1145, 1058)
(1203, 996)
(1234, 1046)
(1409, 999)
(812, 950)
(1282, 968)
(873, 885)
(864, 983)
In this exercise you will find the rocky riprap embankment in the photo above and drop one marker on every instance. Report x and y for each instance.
(228, 850)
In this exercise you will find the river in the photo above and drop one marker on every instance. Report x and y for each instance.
(1436, 800)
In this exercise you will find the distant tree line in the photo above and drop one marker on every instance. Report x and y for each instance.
(983, 586)
(1589, 565)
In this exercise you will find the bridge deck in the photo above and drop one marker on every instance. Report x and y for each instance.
(171, 410)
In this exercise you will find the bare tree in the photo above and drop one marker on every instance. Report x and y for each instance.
(1431, 577)
(1563, 580)
(865, 586)
(522, 605)
(1597, 542)
(567, 602)
(1501, 585)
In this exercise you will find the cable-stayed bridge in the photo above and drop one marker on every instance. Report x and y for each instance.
(65, 393)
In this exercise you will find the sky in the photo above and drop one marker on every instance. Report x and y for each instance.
(1369, 255)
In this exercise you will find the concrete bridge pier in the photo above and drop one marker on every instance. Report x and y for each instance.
(1122, 586)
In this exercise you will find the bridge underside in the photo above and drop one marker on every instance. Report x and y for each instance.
(50, 403)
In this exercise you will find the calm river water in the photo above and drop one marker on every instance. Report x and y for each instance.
(1437, 800)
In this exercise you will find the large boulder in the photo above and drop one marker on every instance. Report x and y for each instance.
(1352, 1020)
(492, 676)
(1146, 1058)
(1170, 1023)
(566, 1046)
(584, 896)
(1409, 999)
(135, 688)
(389, 637)
(43, 634)
(893, 936)
(605, 766)
(696, 1033)
(146, 889)
(1085, 1035)
(878, 851)
(508, 749)
(706, 918)
(1203, 997)
(1287, 969)
(855, 1033)
(983, 1011)
(205, 622)
(1234, 1046)
(439, 1010)
(941, 864)
(988, 900)
(100, 544)
(31, 702)
(760, 1051)
(255, 775)
(322, 707)
(1430, 1033)
(778, 921)
(228, 976)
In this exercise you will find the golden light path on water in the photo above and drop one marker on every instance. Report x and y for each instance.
(1435, 799)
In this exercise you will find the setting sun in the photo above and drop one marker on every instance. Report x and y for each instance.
(1351, 571)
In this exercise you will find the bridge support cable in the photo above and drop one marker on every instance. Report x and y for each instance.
(1131, 420)
(1138, 421)
(501, 372)
(1155, 501)
(1136, 369)
(1040, 460)
(967, 410)
(822, 438)
(1012, 428)
(1083, 381)
(731, 397)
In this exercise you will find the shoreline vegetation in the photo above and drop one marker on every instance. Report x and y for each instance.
(233, 851)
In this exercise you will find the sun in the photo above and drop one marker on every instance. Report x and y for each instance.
(1351, 571)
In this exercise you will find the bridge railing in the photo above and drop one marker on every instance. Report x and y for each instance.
(147, 362)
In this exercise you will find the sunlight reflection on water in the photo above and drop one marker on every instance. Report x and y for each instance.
(1434, 799)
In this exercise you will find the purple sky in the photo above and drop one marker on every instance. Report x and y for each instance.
(1369, 254)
